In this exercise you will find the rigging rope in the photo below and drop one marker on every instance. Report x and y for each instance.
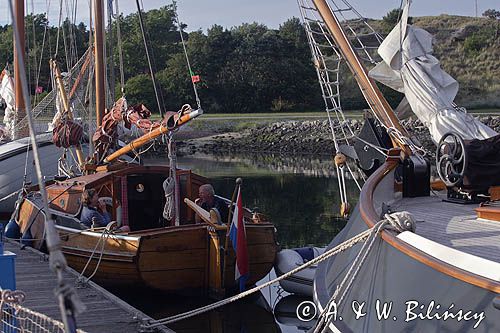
(191, 73)
(106, 233)
(116, 16)
(69, 303)
(152, 73)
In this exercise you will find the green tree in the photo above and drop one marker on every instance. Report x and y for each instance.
(139, 90)
(161, 34)
(392, 17)
(492, 14)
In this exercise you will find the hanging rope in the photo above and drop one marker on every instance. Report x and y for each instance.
(116, 16)
(169, 188)
(191, 73)
(106, 233)
(37, 80)
(172, 156)
(58, 28)
(141, 23)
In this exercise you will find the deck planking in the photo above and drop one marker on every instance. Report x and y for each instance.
(454, 225)
(105, 312)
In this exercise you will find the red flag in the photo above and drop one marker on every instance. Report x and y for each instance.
(195, 78)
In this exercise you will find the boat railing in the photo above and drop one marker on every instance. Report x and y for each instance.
(370, 208)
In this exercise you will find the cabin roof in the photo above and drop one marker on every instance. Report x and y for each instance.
(106, 173)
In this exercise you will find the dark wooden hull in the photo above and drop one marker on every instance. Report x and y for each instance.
(172, 259)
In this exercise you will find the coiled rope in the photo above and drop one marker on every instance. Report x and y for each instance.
(168, 209)
(393, 221)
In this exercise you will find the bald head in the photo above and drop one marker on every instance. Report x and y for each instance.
(206, 193)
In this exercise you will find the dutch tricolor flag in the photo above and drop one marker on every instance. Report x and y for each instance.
(237, 234)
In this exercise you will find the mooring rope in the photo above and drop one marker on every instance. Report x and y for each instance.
(105, 234)
(8, 196)
(399, 222)
(327, 254)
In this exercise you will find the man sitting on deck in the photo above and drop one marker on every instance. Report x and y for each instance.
(91, 207)
(207, 200)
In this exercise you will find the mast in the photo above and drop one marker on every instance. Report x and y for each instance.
(20, 108)
(99, 60)
(371, 92)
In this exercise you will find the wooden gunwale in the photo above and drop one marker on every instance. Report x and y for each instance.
(370, 217)
(106, 255)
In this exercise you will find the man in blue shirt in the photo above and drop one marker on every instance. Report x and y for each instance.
(94, 211)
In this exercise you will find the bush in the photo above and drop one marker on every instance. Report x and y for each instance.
(280, 104)
(475, 43)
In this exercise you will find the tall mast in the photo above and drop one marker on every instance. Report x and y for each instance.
(372, 94)
(20, 110)
(99, 60)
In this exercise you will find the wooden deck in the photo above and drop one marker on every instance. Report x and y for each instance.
(105, 312)
(453, 225)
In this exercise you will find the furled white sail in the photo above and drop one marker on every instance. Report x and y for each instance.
(7, 93)
(409, 67)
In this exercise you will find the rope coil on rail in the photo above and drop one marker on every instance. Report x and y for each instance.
(399, 221)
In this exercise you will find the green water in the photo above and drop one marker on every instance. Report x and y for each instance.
(299, 195)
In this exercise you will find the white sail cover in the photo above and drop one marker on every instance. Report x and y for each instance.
(409, 67)
(7, 93)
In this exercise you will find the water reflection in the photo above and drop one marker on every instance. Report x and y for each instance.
(253, 314)
(300, 196)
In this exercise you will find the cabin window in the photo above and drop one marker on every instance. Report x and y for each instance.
(139, 188)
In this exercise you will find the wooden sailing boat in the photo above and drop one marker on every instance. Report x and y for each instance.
(183, 257)
(187, 257)
(442, 274)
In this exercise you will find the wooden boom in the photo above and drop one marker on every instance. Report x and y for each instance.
(172, 123)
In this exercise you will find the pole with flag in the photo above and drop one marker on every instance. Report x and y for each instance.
(237, 234)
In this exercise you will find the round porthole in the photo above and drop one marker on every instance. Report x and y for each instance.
(139, 188)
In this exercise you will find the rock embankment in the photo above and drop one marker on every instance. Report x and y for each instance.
(300, 137)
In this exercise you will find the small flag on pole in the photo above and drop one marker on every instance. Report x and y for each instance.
(237, 234)
(38, 90)
(195, 78)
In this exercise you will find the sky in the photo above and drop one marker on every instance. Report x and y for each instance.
(202, 14)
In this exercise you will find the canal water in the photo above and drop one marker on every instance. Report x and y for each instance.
(300, 196)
